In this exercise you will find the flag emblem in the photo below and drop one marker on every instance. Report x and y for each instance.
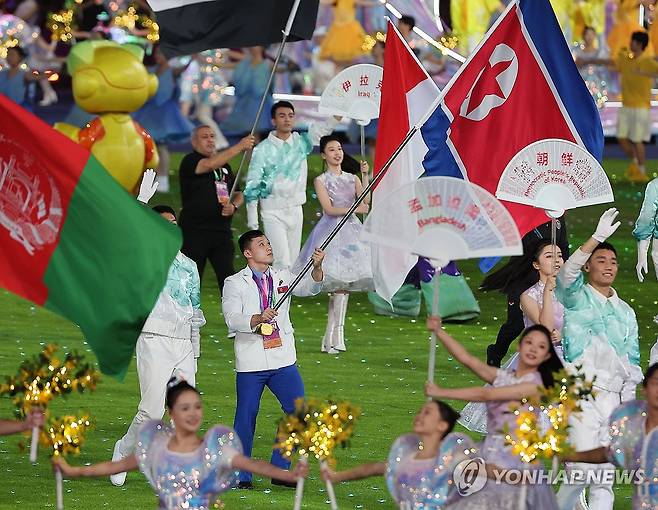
(30, 204)
(493, 84)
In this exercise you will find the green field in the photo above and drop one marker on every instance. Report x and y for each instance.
(383, 371)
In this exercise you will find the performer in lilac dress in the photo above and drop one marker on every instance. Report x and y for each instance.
(185, 470)
(539, 264)
(347, 265)
(420, 466)
(537, 363)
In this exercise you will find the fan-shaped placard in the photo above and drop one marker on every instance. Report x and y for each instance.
(443, 218)
(354, 93)
(554, 175)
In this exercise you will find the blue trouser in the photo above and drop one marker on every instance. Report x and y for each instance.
(285, 383)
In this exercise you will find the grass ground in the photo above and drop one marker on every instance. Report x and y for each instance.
(383, 372)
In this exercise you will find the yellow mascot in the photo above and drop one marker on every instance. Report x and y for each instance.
(110, 80)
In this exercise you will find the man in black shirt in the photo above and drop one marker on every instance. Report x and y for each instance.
(205, 184)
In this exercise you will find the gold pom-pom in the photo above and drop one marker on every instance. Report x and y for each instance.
(65, 434)
(43, 377)
(556, 403)
(316, 428)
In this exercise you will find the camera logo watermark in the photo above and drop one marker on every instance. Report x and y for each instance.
(470, 476)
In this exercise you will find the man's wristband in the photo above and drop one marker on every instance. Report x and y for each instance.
(234, 205)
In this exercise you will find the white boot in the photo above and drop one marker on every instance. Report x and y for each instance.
(331, 326)
(340, 309)
(118, 479)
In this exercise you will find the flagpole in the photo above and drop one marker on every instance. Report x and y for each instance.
(412, 131)
(353, 207)
(435, 312)
(286, 33)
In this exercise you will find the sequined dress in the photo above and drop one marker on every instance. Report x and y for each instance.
(425, 483)
(346, 263)
(193, 480)
(632, 448)
(474, 414)
(500, 496)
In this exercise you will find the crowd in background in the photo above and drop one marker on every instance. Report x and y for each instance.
(210, 86)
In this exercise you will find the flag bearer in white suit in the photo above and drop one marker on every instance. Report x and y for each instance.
(168, 345)
(265, 353)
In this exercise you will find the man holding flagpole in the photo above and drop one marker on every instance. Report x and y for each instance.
(265, 354)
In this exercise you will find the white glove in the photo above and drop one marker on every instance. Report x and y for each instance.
(148, 186)
(642, 266)
(198, 321)
(606, 226)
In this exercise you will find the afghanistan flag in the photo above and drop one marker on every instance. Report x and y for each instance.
(191, 26)
(74, 241)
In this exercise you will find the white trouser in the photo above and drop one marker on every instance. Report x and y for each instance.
(158, 358)
(589, 430)
(283, 227)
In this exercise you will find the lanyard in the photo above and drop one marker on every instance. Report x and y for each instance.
(262, 292)
(217, 178)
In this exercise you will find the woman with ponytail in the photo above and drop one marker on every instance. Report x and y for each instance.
(537, 364)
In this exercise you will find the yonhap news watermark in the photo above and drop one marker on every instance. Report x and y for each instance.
(471, 475)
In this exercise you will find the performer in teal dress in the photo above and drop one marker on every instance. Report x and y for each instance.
(646, 229)
(457, 301)
(250, 78)
(161, 116)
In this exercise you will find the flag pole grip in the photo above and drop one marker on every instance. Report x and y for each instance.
(286, 33)
(349, 212)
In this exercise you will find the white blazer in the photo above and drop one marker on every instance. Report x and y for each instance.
(241, 300)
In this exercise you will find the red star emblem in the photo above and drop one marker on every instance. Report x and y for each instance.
(487, 85)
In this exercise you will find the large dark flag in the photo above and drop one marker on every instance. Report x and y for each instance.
(191, 26)
(74, 241)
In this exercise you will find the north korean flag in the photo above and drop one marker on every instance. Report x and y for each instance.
(519, 86)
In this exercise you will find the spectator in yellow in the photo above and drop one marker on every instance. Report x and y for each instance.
(626, 22)
(637, 72)
(589, 13)
(470, 20)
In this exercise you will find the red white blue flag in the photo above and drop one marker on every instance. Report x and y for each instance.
(519, 86)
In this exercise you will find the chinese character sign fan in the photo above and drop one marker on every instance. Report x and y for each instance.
(354, 93)
(554, 175)
(443, 219)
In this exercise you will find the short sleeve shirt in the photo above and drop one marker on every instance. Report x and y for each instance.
(636, 81)
(201, 207)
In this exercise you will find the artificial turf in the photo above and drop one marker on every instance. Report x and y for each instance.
(383, 372)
